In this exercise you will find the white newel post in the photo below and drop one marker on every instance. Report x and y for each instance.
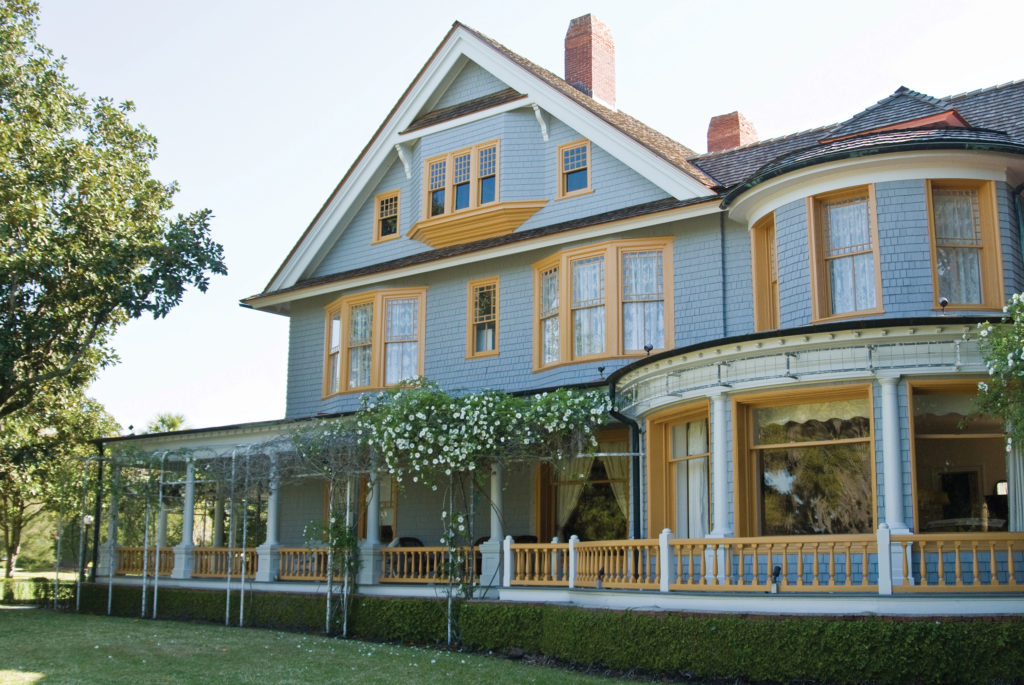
(572, 561)
(506, 575)
(269, 556)
(369, 552)
(491, 549)
(664, 560)
(885, 561)
(183, 552)
(719, 467)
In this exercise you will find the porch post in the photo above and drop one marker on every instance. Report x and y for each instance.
(719, 466)
(892, 455)
(370, 568)
(269, 556)
(218, 517)
(183, 552)
(108, 558)
(490, 550)
(161, 526)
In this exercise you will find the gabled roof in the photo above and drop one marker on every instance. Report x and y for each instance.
(903, 105)
(653, 155)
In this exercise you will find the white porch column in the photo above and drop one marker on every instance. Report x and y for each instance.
(491, 549)
(269, 557)
(161, 526)
(218, 518)
(719, 467)
(369, 570)
(108, 553)
(183, 552)
(892, 456)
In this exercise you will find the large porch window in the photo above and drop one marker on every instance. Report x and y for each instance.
(678, 473)
(807, 466)
(960, 479)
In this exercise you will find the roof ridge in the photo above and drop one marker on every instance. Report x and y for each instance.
(986, 89)
(766, 141)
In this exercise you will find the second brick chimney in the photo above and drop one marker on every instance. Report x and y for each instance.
(727, 131)
(590, 59)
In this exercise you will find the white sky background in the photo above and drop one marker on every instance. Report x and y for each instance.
(260, 108)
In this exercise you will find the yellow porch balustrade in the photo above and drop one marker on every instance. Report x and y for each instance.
(961, 562)
(303, 563)
(617, 564)
(833, 563)
(426, 565)
(130, 561)
(212, 562)
(540, 564)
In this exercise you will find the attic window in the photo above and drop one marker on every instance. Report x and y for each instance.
(574, 169)
(461, 180)
(386, 221)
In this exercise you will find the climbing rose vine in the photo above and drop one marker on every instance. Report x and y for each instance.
(1002, 346)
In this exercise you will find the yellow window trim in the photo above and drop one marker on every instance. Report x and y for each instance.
(474, 179)
(471, 291)
(991, 258)
(560, 170)
(765, 264)
(820, 288)
(611, 251)
(378, 298)
(377, 201)
(746, 491)
(661, 499)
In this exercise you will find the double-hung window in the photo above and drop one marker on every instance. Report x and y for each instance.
(766, 274)
(386, 209)
(604, 300)
(574, 168)
(964, 244)
(461, 180)
(482, 318)
(374, 340)
(844, 254)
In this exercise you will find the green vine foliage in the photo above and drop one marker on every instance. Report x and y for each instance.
(341, 539)
(1002, 346)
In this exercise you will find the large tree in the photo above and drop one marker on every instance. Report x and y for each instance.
(42, 453)
(87, 236)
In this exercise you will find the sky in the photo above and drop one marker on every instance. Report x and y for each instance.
(261, 106)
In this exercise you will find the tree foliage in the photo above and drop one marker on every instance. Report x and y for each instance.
(166, 422)
(41, 453)
(1002, 345)
(87, 240)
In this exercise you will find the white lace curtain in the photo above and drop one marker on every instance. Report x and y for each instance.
(691, 478)
(958, 243)
(851, 264)
(360, 338)
(571, 475)
(643, 306)
(401, 346)
(588, 306)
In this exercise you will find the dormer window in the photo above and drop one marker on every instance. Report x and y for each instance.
(461, 180)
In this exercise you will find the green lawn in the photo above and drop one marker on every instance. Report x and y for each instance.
(41, 646)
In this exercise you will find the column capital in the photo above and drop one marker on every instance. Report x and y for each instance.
(888, 378)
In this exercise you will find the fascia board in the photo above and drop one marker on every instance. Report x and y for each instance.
(553, 240)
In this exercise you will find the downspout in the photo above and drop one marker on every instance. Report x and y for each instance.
(721, 240)
(634, 447)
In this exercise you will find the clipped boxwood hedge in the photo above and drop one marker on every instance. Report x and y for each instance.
(760, 648)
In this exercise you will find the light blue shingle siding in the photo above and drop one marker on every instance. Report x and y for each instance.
(472, 82)
(904, 249)
(794, 264)
(1013, 268)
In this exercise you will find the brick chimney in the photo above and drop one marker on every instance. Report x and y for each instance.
(590, 59)
(727, 131)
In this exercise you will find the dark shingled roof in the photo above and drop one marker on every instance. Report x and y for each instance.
(999, 108)
(463, 108)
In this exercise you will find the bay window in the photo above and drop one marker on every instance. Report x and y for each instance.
(373, 340)
(461, 180)
(604, 300)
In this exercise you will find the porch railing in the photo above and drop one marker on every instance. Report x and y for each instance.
(427, 564)
(540, 564)
(833, 563)
(130, 561)
(303, 563)
(961, 562)
(618, 564)
(212, 562)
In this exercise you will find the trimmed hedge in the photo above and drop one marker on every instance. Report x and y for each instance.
(759, 648)
(37, 591)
